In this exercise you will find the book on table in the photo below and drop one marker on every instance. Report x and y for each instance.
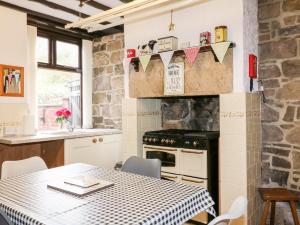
(80, 185)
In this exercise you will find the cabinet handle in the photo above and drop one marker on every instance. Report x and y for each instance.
(198, 153)
(94, 140)
(193, 181)
(100, 139)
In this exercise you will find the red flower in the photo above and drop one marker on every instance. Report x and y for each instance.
(59, 113)
(67, 113)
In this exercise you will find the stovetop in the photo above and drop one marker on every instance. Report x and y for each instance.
(180, 138)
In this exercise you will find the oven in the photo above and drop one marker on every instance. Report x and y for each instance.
(168, 156)
(187, 156)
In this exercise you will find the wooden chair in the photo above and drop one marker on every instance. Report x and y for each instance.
(272, 195)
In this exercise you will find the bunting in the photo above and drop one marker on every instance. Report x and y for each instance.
(220, 49)
(145, 59)
(191, 54)
(166, 58)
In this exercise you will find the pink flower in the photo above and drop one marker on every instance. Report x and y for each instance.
(59, 113)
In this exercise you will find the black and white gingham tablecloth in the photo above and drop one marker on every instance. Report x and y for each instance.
(133, 200)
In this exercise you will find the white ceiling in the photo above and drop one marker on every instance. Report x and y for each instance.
(72, 4)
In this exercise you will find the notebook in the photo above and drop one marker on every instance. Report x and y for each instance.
(80, 185)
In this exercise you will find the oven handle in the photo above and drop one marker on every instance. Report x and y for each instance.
(193, 181)
(161, 149)
(168, 176)
(198, 152)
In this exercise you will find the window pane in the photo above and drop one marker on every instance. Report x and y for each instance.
(56, 90)
(67, 54)
(42, 50)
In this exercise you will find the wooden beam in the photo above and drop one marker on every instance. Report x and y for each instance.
(60, 7)
(96, 5)
(54, 24)
(34, 13)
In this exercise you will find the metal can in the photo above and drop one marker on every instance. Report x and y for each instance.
(220, 34)
(205, 38)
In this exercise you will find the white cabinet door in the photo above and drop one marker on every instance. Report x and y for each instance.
(102, 151)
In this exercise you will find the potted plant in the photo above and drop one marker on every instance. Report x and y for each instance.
(63, 117)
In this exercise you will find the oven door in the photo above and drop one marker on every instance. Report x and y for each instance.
(168, 157)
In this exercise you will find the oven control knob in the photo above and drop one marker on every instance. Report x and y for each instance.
(145, 139)
(163, 140)
(195, 143)
(167, 141)
(172, 141)
(154, 139)
(150, 139)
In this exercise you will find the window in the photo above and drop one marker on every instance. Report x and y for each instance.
(67, 54)
(43, 50)
(58, 79)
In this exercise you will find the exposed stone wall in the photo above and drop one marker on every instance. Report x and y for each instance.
(279, 70)
(108, 81)
(198, 113)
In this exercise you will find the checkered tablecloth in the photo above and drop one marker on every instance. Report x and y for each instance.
(134, 199)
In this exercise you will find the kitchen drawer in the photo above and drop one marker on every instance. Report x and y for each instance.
(193, 163)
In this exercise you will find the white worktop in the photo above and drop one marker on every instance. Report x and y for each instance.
(57, 135)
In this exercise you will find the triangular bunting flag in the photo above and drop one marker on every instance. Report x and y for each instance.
(126, 62)
(166, 57)
(220, 49)
(191, 54)
(145, 59)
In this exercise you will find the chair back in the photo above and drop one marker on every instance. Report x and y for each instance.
(145, 167)
(236, 210)
(4, 220)
(20, 167)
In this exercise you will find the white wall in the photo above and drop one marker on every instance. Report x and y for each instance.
(13, 51)
(13, 44)
(87, 88)
(190, 22)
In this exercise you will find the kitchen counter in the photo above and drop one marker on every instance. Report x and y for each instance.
(56, 135)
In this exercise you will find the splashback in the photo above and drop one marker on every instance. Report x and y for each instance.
(199, 113)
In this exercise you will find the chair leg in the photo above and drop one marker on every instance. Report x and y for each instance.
(264, 217)
(273, 208)
(294, 212)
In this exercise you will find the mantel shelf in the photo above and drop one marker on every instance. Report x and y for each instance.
(135, 61)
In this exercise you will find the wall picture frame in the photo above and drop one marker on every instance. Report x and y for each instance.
(11, 81)
(174, 79)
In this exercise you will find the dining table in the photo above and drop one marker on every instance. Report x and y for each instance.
(132, 200)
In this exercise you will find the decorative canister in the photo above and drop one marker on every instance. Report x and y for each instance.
(130, 53)
(205, 38)
(220, 34)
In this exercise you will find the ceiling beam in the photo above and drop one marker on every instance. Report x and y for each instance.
(60, 7)
(96, 5)
(49, 23)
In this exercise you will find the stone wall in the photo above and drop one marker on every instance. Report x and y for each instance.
(279, 70)
(198, 113)
(108, 81)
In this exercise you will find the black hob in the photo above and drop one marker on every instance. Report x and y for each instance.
(194, 139)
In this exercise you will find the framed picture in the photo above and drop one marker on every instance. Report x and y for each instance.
(11, 81)
(174, 79)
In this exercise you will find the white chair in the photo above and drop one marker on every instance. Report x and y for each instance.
(236, 210)
(20, 167)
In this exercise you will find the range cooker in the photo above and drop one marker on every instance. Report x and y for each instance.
(187, 156)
